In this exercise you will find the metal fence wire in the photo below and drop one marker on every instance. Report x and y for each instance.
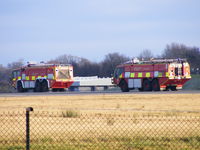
(70, 130)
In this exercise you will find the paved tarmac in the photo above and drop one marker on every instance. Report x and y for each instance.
(50, 93)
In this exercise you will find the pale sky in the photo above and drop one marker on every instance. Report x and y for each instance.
(40, 30)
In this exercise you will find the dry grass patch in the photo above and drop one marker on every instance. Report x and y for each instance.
(150, 103)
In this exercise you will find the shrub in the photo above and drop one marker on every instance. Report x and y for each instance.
(70, 114)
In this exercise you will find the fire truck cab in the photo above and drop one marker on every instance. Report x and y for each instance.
(42, 77)
(152, 75)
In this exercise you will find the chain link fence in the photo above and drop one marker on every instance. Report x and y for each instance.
(70, 130)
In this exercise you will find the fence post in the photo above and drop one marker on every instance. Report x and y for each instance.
(28, 109)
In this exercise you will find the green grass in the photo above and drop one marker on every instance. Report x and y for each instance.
(119, 143)
(193, 84)
(12, 147)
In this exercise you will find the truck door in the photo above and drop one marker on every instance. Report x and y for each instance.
(117, 73)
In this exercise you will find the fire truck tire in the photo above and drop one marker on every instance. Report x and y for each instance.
(44, 86)
(55, 90)
(37, 86)
(20, 87)
(146, 85)
(155, 85)
(140, 89)
(124, 86)
(173, 88)
(62, 90)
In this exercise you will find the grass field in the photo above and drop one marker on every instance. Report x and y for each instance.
(106, 103)
(193, 84)
(103, 121)
(100, 131)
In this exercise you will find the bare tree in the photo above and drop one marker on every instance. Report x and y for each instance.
(5, 75)
(146, 55)
(192, 54)
(16, 64)
(65, 59)
(87, 68)
(110, 62)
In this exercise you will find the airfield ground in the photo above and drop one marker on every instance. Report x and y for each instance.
(106, 103)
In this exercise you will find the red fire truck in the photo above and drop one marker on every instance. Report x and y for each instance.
(42, 77)
(156, 75)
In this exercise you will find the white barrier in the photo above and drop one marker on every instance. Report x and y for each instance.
(92, 81)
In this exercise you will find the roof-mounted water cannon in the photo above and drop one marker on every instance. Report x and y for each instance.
(135, 60)
(31, 63)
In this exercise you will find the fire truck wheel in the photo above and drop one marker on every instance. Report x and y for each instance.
(146, 85)
(124, 86)
(155, 85)
(44, 86)
(37, 87)
(55, 90)
(173, 88)
(20, 87)
(62, 90)
(140, 89)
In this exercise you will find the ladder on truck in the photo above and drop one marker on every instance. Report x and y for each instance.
(154, 61)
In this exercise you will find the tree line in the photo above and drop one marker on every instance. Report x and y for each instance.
(85, 67)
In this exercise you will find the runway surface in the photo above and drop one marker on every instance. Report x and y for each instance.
(94, 93)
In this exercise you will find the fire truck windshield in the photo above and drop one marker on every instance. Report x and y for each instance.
(63, 74)
(15, 73)
(118, 72)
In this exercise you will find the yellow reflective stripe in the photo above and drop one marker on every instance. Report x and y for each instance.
(33, 77)
(140, 75)
(167, 74)
(120, 76)
(27, 77)
(148, 74)
(132, 75)
(39, 77)
(45, 76)
(19, 78)
(160, 74)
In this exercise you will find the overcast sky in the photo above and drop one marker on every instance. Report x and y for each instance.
(44, 29)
